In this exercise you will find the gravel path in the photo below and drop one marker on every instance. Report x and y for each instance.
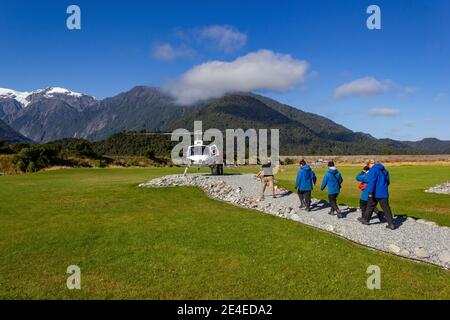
(414, 239)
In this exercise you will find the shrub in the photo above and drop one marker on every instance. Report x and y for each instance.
(7, 166)
(36, 157)
(17, 147)
(4, 148)
(289, 161)
(72, 147)
(134, 144)
(83, 148)
(150, 153)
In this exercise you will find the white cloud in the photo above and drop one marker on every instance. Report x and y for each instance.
(432, 119)
(442, 96)
(223, 37)
(410, 124)
(367, 86)
(260, 70)
(384, 112)
(408, 91)
(167, 52)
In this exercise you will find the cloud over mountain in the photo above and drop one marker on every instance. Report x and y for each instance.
(367, 86)
(260, 70)
(384, 112)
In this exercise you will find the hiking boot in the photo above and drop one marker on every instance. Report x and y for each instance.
(363, 221)
(390, 226)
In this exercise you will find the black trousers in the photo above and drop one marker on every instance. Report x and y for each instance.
(305, 198)
(363, 206)
(332, 200)
(371, 206)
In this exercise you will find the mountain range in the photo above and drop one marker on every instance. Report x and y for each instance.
(56, 113)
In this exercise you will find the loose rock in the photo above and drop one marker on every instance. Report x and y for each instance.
(394, 249)
(404, 253)
(440, 188)
(421, 252)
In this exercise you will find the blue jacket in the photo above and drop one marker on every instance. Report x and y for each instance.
(306, 179)
(378, 181)
(333, 180)
(363, 178)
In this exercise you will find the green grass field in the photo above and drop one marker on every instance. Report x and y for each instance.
(178, 244)
(407, 196)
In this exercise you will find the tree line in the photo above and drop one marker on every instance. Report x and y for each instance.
(75, 152)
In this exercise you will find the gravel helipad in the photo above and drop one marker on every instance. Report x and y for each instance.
(413, 239)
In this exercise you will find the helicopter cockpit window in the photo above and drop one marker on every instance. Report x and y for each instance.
(197, 150)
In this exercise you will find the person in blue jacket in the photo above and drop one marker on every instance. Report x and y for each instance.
(306, 179)
(378, 190)
(363, 178)
(333, 179)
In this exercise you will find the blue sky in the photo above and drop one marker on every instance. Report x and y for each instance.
(393, 82)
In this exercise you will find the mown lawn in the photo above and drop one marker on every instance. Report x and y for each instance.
(177, 244)
(407, 196)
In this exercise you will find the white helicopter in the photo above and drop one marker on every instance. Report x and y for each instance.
(198, 155)
(201, 155)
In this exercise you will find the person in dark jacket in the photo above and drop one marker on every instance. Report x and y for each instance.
(333, 179)
(306, 179)
(378, 190)
(363, 178)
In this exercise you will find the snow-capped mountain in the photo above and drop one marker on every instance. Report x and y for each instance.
(52, 91)
(26, 98)
(20, 97)
(54, 113)
(45, 114)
